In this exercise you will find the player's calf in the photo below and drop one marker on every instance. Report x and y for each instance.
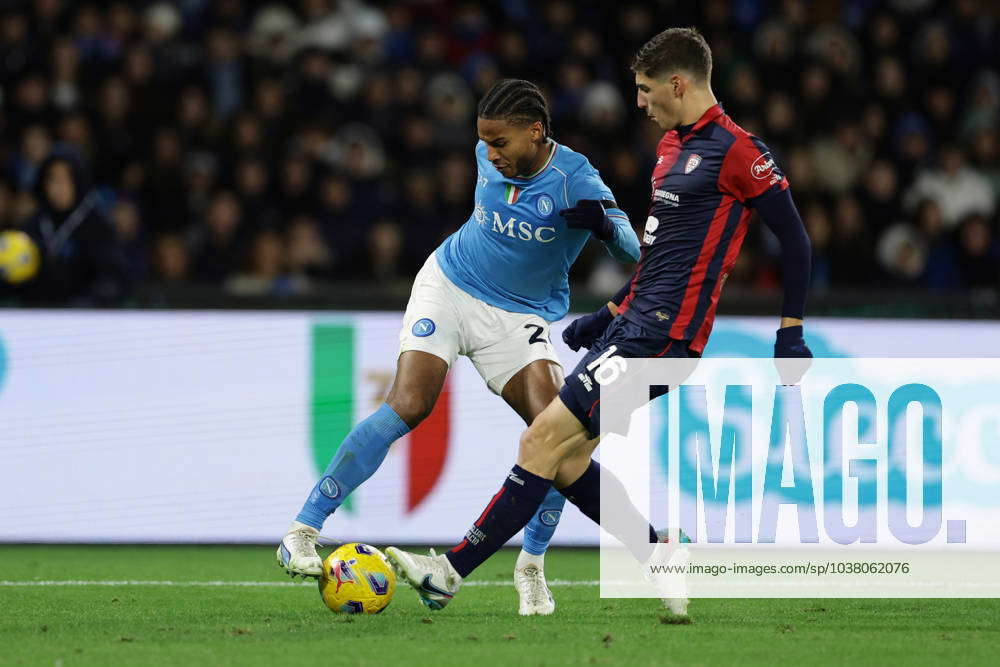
(551, 439)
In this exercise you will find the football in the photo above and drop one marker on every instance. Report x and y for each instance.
(19, 257)
(357, 579)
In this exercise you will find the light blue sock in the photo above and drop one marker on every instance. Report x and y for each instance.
(539, 530)
(357, 459)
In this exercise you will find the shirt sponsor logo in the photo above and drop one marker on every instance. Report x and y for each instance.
(522, 230)
(668, 198)
(652, 223)
(762, 167)
(692, 163)
(480, 213)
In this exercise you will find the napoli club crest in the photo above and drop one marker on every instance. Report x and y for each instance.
(423, 327)
(693, 161)
(544, 205)
(549, 517)
(328, 486)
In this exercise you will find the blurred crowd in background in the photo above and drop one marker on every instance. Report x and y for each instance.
(270, 148)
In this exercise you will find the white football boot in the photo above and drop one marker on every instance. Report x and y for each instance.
(297, 551)
(672, 586)
(432, 577)
(533, 591)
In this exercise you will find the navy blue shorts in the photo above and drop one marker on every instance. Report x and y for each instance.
(581, 393)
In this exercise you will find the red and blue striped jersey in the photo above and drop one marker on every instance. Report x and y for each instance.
(704, 183)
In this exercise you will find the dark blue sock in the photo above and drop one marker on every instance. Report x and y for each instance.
(585, 493)
(508, 512)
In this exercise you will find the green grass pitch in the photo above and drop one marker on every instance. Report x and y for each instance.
(172, 624)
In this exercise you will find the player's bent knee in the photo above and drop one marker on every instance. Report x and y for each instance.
(542, 450)
(530, 446)
(538, 451)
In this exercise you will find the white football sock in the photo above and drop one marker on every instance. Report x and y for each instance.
(524, 559)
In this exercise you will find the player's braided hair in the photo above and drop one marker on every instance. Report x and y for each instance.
(516, 101)
(675, 49)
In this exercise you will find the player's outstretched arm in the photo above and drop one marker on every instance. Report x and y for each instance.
(607, 223)
(778, 212)
(625, 245)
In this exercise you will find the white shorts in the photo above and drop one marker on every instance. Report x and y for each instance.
(446, 321)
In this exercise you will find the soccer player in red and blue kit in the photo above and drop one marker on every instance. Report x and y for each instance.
(709, 177)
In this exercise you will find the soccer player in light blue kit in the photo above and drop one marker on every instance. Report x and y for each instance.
(488, 292)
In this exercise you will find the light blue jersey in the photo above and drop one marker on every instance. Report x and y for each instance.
(515, 250)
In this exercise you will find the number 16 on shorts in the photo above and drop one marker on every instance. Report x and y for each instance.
(605, 368)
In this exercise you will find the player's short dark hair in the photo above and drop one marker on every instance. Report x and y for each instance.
(516, 101)
(674, 49)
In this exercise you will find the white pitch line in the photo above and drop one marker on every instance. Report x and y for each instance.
(248, 584)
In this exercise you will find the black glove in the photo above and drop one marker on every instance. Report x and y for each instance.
(583, 331)
(790, 343)
(792, 357)
(589, 214)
